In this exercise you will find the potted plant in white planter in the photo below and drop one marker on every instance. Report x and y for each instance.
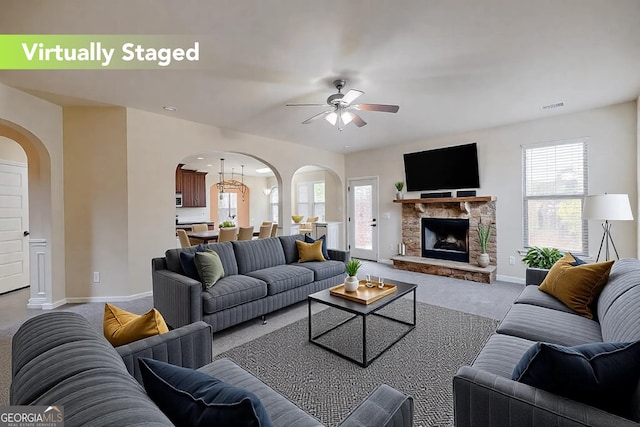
(399, 186)
(483, 236)
(351, 283)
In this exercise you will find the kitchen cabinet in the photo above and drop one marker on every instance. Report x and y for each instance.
(179, 179)
(193, 186)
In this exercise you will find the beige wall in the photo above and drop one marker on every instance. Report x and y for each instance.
(12, 151)
(95, 175)
(612, 133)
(37, 126)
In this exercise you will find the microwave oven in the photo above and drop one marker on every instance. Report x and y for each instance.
(178, 200)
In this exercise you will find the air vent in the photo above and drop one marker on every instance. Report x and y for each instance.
(552, 106)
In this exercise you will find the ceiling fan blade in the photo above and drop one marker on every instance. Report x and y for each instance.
(357, 120)
(351, 96)
(377, 107)
(306, 105)
(317, 116)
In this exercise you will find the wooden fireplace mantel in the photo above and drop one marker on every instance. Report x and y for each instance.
(463, 202)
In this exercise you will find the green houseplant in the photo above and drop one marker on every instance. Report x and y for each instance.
(483, 237)
(351, 283)
(399, 186)
(227, 224)
(538, 257)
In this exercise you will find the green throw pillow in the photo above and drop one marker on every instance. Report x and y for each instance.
(209, 267)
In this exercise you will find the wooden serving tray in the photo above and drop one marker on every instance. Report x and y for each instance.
(363, 295)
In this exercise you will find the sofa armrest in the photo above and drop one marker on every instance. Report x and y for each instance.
(177, 297)
(385, 407)
(535, 276)
(481, 399)
(189, 346)
(339, 255)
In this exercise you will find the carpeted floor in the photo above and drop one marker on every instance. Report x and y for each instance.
(422, 364)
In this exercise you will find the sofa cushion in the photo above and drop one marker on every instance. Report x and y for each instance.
(603, 375)
(324, 269)
(290, 248)
(534, 296)
(223, 249)
(501, 354)
(232, 291)
(577, 286)
(543, 324)
(310, 251)
(121, 327)
(209, 267)
(258, 254)
(283, 277)
(619, 301)
(193, 398)
(323, 239)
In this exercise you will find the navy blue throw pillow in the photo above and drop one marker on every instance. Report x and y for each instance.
(577, 261)
(188, 263)
(603, 375)
(193, 398)
(309, 239)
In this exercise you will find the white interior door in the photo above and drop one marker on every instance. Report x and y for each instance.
(363, 218)
(14, 244)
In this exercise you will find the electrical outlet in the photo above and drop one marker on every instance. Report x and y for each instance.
(512, 260)
(96, 277)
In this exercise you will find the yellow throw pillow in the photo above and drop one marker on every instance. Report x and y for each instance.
(121, 327)
(309, 251)
(577, 286)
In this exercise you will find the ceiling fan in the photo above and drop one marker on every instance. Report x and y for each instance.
(342, 111)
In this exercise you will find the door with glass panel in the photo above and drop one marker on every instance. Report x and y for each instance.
(362, 218)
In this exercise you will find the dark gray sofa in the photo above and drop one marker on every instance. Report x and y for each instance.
(58, 358)
(261, 276)
(485, 395)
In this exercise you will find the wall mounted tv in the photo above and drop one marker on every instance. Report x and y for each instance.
(446, 168)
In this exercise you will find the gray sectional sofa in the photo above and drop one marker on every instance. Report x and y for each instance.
(58, 358)
(261, 276)
(485, 394)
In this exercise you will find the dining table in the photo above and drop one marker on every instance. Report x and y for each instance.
(209, 235)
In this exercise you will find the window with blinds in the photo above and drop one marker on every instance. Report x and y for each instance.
(554, 188)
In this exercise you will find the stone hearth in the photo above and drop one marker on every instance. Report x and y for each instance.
(475, 209)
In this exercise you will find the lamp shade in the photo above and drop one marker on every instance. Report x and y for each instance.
(610, 207)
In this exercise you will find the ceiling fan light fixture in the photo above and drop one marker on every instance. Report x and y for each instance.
(332, 117)
(346, 117)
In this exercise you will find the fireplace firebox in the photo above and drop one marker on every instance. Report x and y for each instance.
(445, 238)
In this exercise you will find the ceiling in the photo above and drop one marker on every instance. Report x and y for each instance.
(452, 66)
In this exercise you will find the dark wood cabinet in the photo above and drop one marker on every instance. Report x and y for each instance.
(193, 186)
(179, 179)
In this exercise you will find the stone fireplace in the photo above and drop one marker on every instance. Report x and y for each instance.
(441, 238)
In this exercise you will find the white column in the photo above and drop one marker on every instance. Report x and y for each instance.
(40, 275)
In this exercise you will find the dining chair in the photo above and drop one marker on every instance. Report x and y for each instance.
(228, 234)
(245, 233)
(199, 227)
(265, 231)
(184, 239)
(274, 229)
(267, 222)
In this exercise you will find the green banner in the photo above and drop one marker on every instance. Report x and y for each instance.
(97, 52)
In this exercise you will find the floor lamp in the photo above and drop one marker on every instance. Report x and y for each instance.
(607, 207)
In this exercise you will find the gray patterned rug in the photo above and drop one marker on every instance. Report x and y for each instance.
(422, 364)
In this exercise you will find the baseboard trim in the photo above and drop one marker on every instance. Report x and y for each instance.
(510, 279)
(49, 305)
(77, 300)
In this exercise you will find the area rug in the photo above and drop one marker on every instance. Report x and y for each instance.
(328, 387)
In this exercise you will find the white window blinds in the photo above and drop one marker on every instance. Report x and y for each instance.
(554, 187)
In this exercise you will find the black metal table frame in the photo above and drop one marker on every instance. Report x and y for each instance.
(387, 300)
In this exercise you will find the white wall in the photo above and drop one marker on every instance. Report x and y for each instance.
(613, 138)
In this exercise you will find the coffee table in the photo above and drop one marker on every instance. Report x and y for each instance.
(363, 311)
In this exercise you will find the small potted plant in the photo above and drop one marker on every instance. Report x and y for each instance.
(538, 261)
(399, 186)
(351, 283)
(483, 236)
(227, 224)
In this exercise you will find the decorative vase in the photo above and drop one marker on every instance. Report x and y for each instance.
(399, 195)
(351, 284)
(483, 260)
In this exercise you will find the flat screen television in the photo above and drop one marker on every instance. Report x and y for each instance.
(448, 168)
